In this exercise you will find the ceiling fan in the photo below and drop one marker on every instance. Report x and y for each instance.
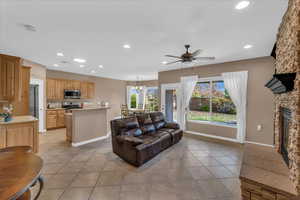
(189, 57)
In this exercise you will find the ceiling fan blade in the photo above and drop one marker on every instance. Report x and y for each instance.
(173, 56)
(174, 62)
(205, 58)
(197, 52)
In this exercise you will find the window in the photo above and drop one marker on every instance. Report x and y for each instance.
(151, 100)
(133, 97)
(211, 102)
(137, 100)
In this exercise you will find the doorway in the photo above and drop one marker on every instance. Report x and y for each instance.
(36, 102)
(170, 101)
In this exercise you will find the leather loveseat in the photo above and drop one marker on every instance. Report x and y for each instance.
(140, 138)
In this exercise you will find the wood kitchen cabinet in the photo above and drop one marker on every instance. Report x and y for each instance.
(84, 90)
(91, 90)
(51, 89)
(56, 87)
(9, 77)
(22, 107)
(20, 133)
(55, 118)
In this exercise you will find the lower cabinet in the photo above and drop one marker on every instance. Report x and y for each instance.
(19, 134)
(55, 119)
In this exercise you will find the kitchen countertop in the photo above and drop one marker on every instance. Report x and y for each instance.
(55, 108)
(19, 119)
(91, 108)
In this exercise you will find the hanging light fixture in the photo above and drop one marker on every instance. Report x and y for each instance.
(137, 86)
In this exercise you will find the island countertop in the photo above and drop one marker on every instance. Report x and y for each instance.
(19, 119)
(91, 108)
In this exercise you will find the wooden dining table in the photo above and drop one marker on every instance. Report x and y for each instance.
(20, 169)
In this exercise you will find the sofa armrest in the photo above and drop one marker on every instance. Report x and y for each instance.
(172, 125)
(131, 140)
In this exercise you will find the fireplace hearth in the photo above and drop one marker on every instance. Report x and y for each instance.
(286, 116)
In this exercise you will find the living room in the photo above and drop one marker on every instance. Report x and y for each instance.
(204, 110)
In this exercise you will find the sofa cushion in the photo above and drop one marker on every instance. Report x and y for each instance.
(132, 132)
(120, 126)
(129, 140)
(145, 123)
(158, 120)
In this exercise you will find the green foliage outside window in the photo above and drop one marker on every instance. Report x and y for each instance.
(133, 101)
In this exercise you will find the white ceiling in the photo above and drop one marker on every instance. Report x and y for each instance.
(97, 29)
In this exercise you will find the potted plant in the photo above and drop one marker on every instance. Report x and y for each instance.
(7, 114)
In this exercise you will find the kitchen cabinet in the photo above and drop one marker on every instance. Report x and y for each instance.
(55, 118)
(9, 77)
(23, 133)
(91, 90)
(51, 89)
(22, 107)
(84, 90)
(56, 87)
(60, 118)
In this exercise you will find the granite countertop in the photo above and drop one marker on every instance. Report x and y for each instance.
(55, 108)
(19, 119)
(264, 165)
(91, 108)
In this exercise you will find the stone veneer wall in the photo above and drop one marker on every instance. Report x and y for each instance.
(288, 60)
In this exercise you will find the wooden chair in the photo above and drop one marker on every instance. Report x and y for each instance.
(124, 111)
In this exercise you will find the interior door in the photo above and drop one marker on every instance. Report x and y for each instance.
(170, 101)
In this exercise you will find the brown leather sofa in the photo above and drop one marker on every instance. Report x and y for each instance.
(138, 139)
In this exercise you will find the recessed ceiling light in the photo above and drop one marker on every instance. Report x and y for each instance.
(100, 66)
(242, 4)
(126, 46)
(248, 46)
(93, 71)
(164, 62)
(81, 66)
(55, 65)
(79, 60)
(60, 54)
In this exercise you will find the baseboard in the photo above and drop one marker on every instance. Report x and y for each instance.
(214, 138)
(260, 144)
(77, 144)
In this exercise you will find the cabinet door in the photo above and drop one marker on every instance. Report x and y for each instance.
(9, 77)
(51, 119)
(91, 90)
(60, 118)
(22, 107)
(84, 90)
(19, 135)
(60, 88)
(75, 85)
(51, 85)
(2, 137)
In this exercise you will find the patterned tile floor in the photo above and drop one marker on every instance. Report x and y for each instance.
(190, 170)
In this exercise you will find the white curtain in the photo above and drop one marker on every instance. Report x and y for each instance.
(236, 85)
(187, 85)
(144, 96)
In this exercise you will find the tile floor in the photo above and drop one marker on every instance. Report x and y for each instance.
(191, 170)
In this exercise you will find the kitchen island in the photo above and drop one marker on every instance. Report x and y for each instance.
(86, 125)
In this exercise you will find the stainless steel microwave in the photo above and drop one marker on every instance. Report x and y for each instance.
(72, 94)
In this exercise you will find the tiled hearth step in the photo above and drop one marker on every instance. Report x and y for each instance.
(253, 191)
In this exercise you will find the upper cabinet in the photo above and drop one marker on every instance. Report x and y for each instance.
(10, 81)
(56, 87)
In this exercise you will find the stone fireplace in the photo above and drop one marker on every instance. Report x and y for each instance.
(269, 173)
(287, 105)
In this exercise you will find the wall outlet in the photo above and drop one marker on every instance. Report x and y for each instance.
(259, 127)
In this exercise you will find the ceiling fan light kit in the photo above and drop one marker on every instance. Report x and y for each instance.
(188, 56)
